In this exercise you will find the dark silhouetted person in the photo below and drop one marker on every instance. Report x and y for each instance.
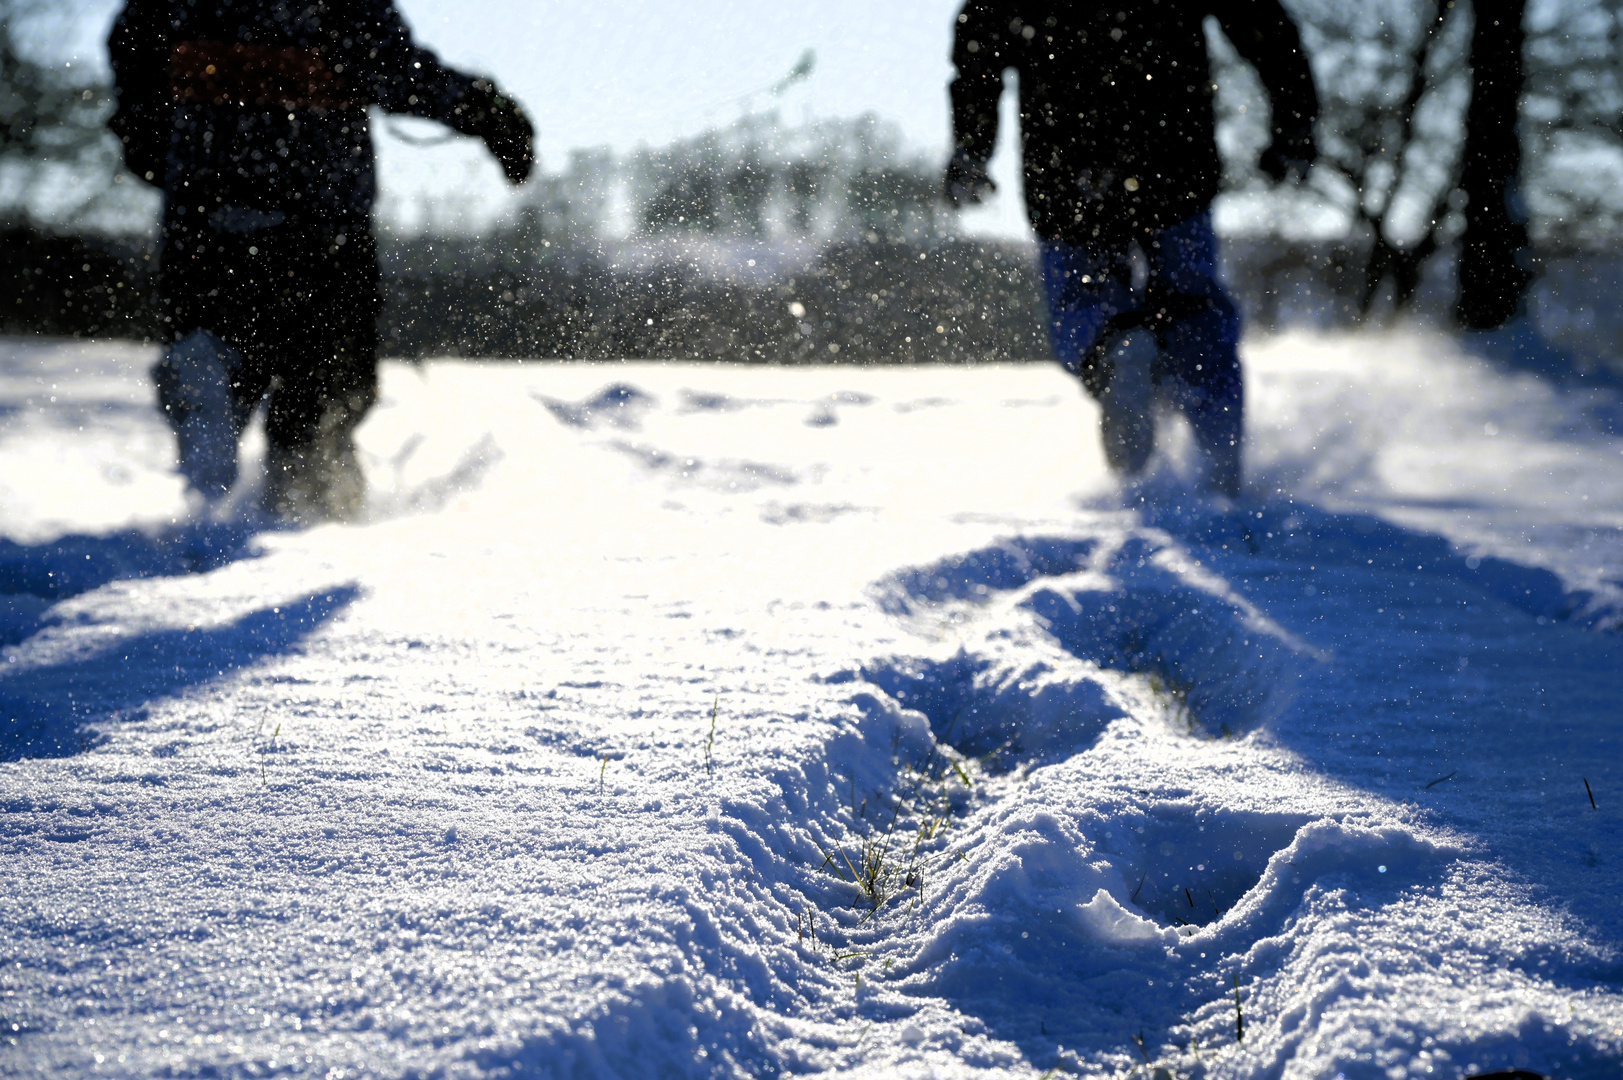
(1121, 167)
(251, 115)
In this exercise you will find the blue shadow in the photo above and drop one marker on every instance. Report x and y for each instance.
(1478, 692)
(56, 710)
(32, 576)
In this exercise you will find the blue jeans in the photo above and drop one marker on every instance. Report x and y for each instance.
(1091, 300)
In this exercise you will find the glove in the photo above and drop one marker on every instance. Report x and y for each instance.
(498, 120)
(1290, 157)
(511, 137)
(966, 182)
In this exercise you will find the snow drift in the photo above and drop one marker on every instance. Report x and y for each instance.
(689, 720)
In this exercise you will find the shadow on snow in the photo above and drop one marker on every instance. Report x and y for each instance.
(1381, 657)
(54, 709)
(33, 576)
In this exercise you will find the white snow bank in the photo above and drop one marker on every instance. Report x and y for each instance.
(1416, 431)
(591, 752)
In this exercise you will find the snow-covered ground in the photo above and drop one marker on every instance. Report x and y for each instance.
(591, 752)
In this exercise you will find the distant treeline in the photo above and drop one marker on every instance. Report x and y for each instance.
(754, 178)
(76, 286)
(857, 302)
(949, 300)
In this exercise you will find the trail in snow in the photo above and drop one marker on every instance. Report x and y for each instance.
(590, 751)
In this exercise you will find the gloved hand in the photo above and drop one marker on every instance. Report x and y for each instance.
(1290, 156)
(498, 120)
(966, 182)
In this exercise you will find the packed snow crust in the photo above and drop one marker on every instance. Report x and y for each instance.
(590, 751)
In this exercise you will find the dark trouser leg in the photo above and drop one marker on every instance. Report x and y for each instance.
(322, 392)
(324, 374)
(1087, 289)
(325, 317)
(300, 306)
(1095, 327)
(1200, 335)
(207, 386)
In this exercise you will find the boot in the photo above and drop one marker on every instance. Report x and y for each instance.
(318, 482)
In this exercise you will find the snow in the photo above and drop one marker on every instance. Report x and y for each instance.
(563, 762)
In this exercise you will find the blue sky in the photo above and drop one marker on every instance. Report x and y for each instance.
(623, 72)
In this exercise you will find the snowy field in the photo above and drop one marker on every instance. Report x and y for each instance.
(692, 720)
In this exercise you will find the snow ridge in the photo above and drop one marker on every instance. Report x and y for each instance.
(574, 760)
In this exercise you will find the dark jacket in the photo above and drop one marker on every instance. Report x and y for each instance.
(1116, 102)
(260, 106)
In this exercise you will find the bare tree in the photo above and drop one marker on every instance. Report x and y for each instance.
(1454, 125)
(57, 159)
(1493, 277)
(1392, 83)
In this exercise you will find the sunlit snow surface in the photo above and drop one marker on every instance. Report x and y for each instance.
(561, 763)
